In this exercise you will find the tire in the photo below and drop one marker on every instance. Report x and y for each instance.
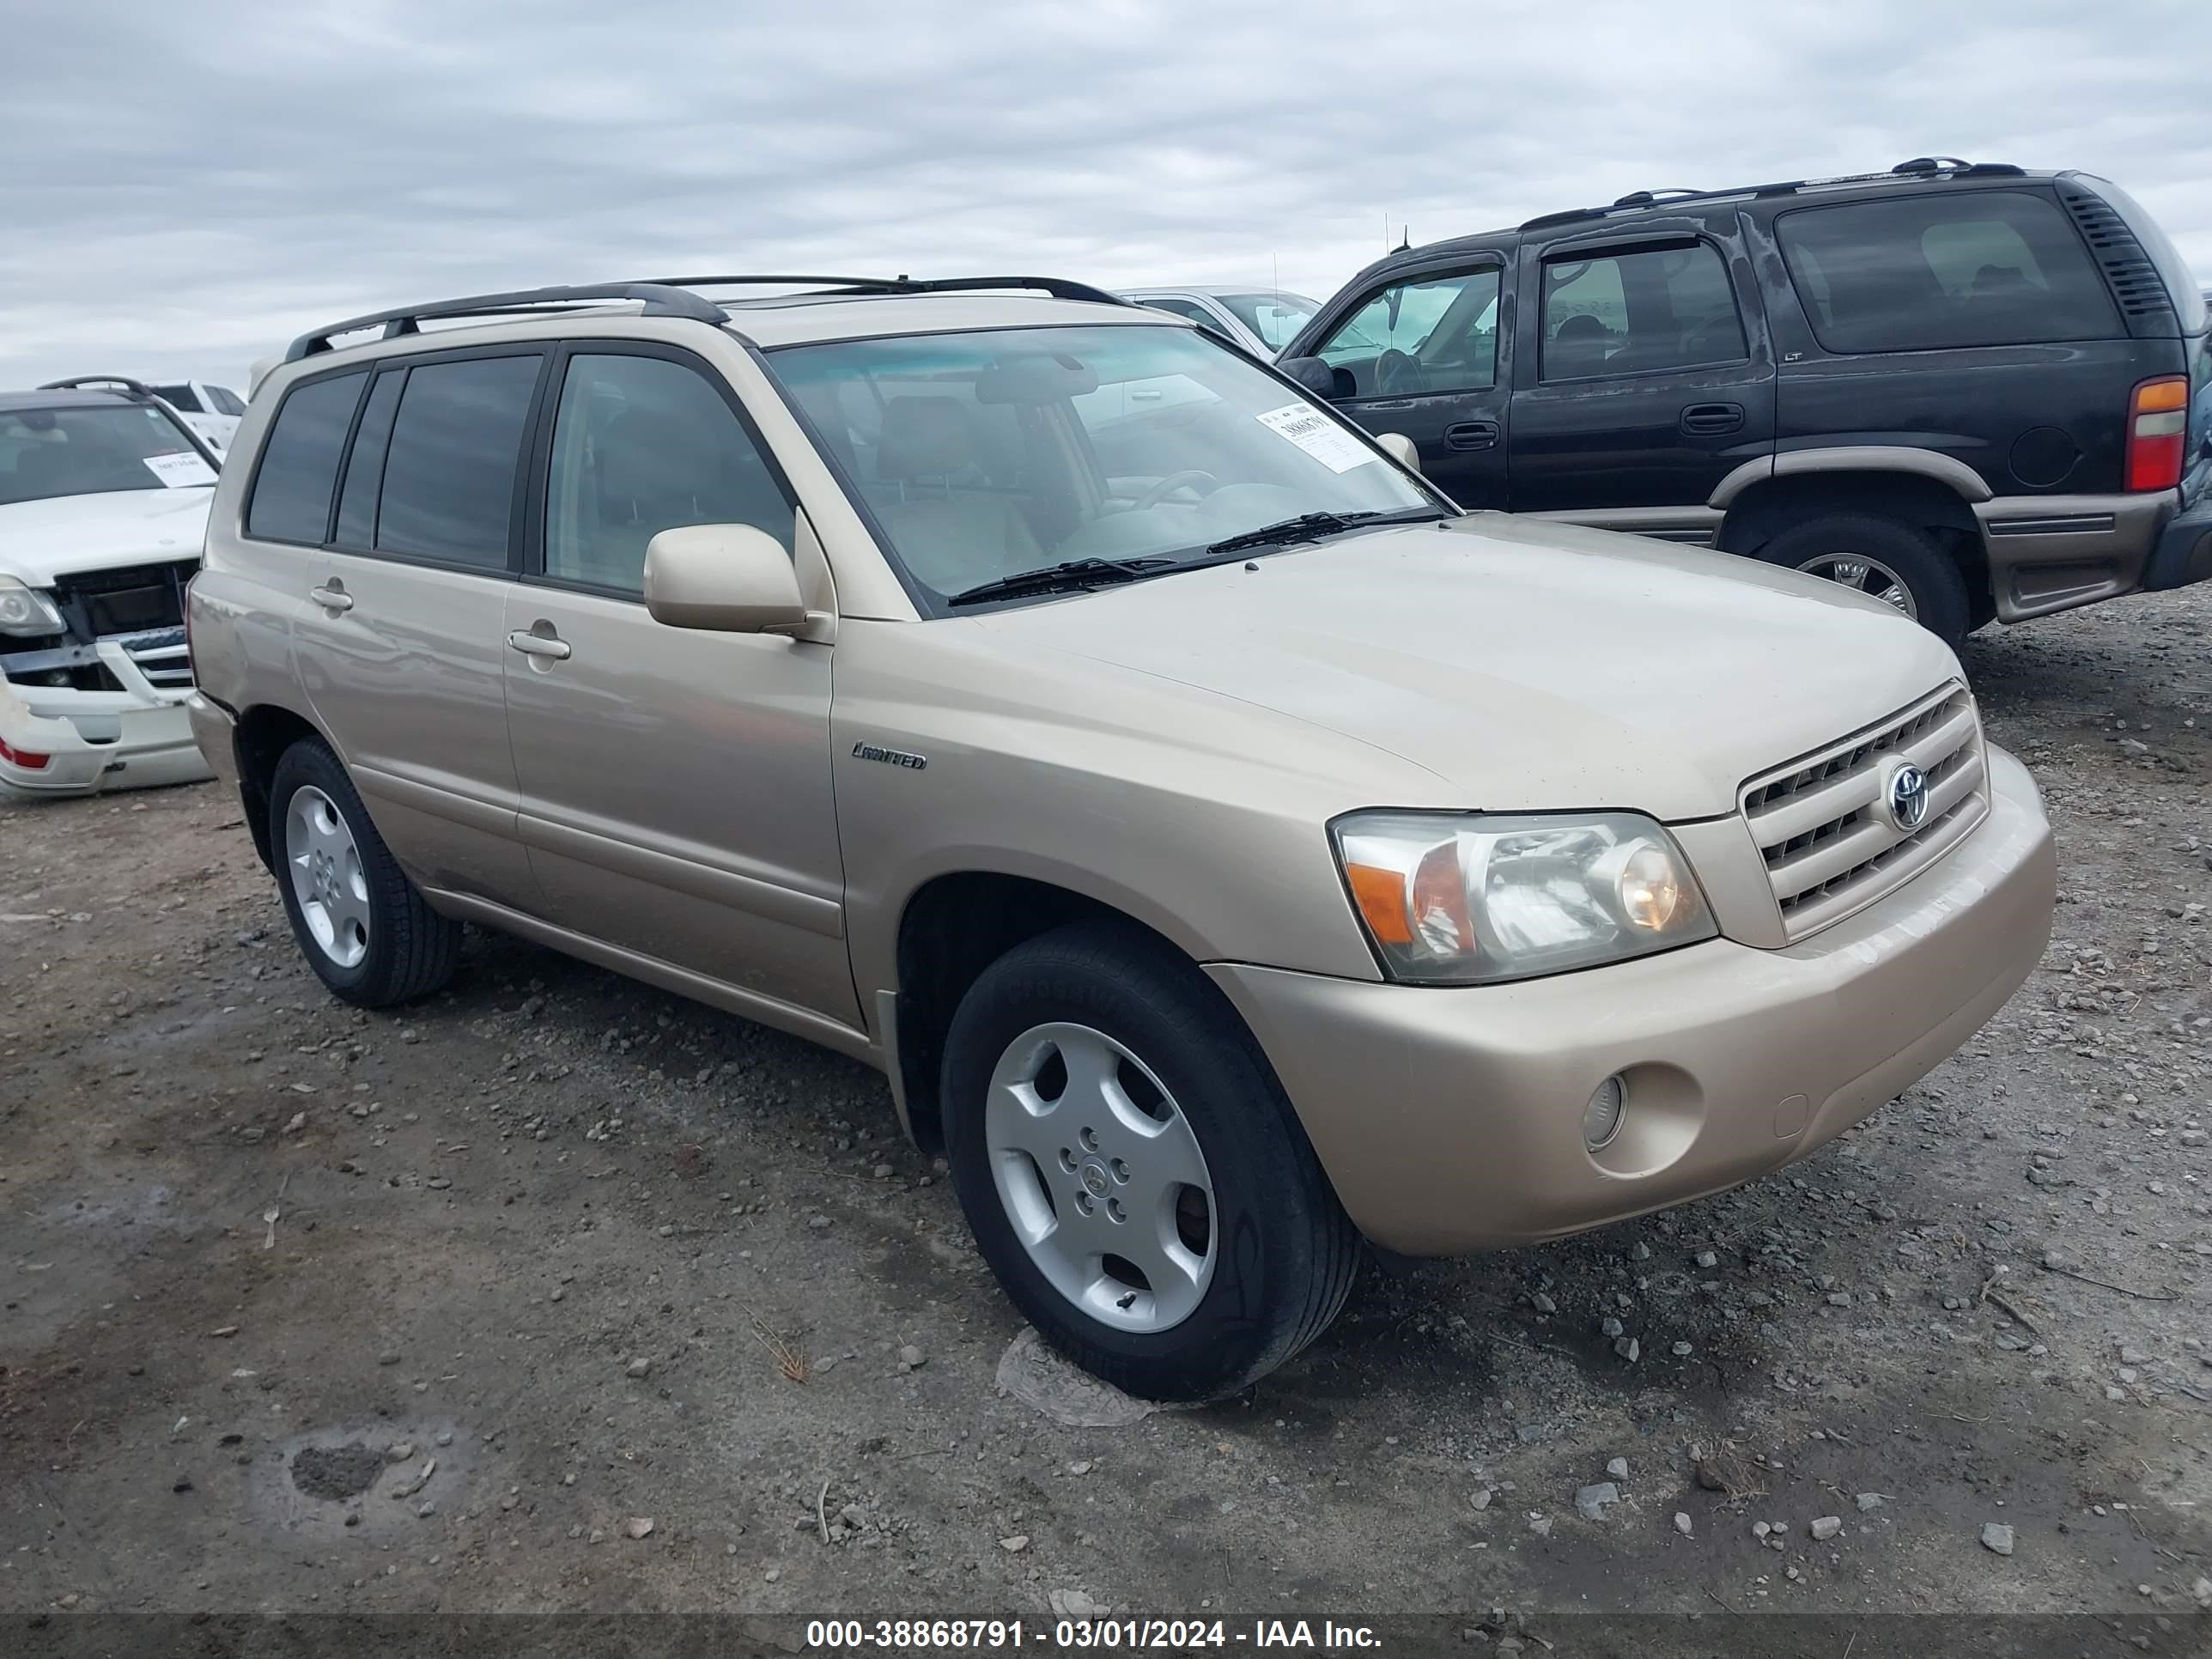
(401, 949)
(1279, 1253)
(1933, 591)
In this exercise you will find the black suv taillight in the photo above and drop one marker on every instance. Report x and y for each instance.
(2158, 428)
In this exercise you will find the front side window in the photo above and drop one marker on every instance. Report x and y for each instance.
(981, 455)
(450, 466)
(298, 469)
(1275, 318)
(1643, 309)
(94, 451)
(641, 445)
(1432, 334)
(1974, 268)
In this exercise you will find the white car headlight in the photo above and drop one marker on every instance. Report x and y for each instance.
(1456, 898)
(26, 611)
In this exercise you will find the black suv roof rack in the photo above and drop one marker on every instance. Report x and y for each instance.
(672, 297)
(81, 382)
(1921, 166)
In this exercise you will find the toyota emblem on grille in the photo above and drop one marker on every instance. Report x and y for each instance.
(1906, 796)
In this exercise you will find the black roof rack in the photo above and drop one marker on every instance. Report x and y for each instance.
(672, 297)
(1921, 166)
(1060, 288)
(132, 388)
(660, 299)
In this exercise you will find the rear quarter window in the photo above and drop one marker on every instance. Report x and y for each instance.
(298, 469)
(1974, 268)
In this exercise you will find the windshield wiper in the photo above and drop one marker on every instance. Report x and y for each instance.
(1061, 579)
(1312, 526)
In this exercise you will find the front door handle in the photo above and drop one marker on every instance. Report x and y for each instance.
(1713, 419)
(332, 596)
(1471, 435)
(539, 644)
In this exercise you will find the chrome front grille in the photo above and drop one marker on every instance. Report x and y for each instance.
(1821, 823)
(161, 656)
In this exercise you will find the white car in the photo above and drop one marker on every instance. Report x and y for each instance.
(103, 507)
(213, 411)
(1260, 320)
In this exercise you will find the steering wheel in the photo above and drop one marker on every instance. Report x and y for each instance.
(1396, 372)
(1189, 478)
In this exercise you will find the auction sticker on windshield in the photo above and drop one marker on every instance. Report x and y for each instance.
(1319, 436)
(184, 469)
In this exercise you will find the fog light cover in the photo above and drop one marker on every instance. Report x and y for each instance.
(1602, 1117)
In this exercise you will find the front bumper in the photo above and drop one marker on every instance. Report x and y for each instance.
(137, 737)
(1450, 1120)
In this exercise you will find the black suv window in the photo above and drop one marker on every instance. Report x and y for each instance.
(299, 463)
(1428, 334)
(641, 445)
(1978, 268)
(449, 469)
(1638, 311)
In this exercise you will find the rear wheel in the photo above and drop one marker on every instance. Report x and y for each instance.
(361, 923)
(1132, 1170)
(1899, 564)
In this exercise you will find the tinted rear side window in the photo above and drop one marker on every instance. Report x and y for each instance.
(226, 401)
(449, 470)
(1978, 268)
(356, 526)
(181, 399)
(299, 463)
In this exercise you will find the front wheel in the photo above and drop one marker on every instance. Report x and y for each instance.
(1132, 1170)
(1900, 564)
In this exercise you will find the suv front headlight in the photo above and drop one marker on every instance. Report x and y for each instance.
(1459, 898)
(26, 611)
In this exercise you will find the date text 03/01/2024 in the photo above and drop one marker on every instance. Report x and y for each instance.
(1110, 1634)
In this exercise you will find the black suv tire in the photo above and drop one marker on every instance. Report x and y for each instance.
(1282, 1252)
(1929, 578)
(407, 949)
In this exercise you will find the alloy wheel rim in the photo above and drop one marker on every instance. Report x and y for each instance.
(1868, 575)
(1101, 1178)
(328, 881)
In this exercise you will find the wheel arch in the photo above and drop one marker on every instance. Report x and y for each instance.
(1920, 497)
(263, 733)
(950, 928)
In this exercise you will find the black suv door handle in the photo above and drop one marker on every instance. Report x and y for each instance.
(1713, 419)
(1471, 435)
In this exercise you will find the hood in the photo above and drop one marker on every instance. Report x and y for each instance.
(40, 541)
(1525, 666)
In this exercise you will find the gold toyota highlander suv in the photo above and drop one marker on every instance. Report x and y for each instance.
(1228, 849)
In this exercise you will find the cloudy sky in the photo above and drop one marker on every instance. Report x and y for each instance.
(187, 185)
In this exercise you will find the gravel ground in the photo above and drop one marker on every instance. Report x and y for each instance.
(490, 1304)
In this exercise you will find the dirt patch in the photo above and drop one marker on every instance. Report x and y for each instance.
(335, 1472)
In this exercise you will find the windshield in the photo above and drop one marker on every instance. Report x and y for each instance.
(93, 451)
(985, 455)
(1275, 318)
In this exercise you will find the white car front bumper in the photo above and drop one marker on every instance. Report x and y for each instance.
(60, 741)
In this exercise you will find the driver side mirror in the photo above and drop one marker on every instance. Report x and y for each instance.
(1400, 448)
(722, 578)
(1315, 376)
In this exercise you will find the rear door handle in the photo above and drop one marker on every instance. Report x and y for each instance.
(1471, 435)
(333, 597)
(539, 644)
(1713, 419)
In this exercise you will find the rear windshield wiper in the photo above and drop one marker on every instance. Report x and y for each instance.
(1061, 579)
(1311, 526)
